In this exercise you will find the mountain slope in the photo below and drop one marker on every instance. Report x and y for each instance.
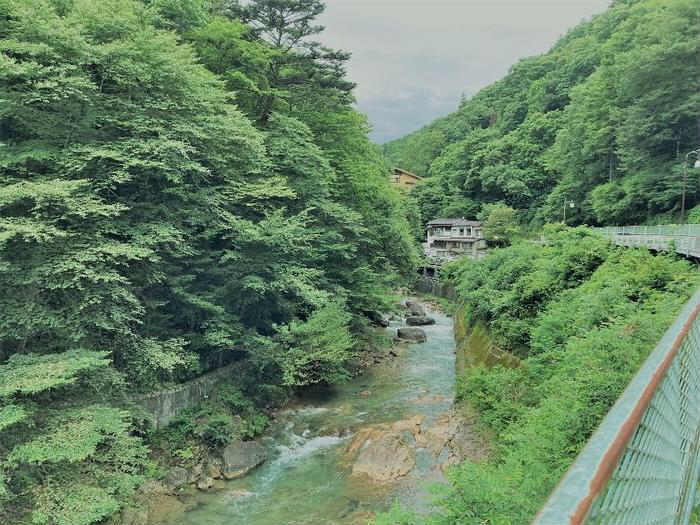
(604, 119)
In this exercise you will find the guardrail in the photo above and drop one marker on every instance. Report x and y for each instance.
(680, 238)
(642, 464)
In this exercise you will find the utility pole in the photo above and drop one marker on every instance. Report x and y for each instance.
(569, 204)
(685, 179)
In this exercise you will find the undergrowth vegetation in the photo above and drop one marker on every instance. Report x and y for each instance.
(229, 416)
(581, 315)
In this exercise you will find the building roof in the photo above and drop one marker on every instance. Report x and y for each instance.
(408, 173)
(453, 222)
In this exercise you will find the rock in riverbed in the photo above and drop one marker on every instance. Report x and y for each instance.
(154, 505)
(214, 469)
(388, 459)
(377, 318)
(176, 478)
(385, 453)
(415, 309)
(240, 457)
(419, 321)
(205, 483)
(413, 335)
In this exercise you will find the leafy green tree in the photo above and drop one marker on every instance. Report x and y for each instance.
(303, 75)
(180, 15)
(282, 23)
(61, 443)
(226, 47)
(317, 350)
(360, 222)
(501, 224)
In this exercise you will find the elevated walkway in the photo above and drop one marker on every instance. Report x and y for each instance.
(683, 239)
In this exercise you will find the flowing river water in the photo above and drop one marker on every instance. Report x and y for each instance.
(308, 480)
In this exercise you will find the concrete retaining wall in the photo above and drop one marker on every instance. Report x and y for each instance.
(435, 287)
(166, 405)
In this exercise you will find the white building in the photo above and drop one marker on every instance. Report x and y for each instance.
(448, 239)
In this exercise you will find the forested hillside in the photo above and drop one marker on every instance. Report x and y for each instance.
(184, 184)
(603, 120)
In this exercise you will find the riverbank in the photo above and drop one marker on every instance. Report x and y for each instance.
(197, 449)
(580, 315)
(319, 446)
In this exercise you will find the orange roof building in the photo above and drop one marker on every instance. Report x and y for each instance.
(404, 179)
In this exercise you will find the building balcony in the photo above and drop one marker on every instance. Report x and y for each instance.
(434, 238)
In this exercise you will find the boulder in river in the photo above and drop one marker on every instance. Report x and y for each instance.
(205, 483)
(413, 335)
(388, 458)
(155, 504)
(419, 320)
(385, 453)
(377, 318)
(415, 309)
(240, 457)
(453, 437)
(214, 469)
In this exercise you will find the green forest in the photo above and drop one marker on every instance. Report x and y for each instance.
(600, 124)
(185, 184)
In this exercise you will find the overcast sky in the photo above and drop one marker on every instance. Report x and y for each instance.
(413, 59)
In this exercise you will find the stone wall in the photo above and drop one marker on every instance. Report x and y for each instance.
(166, 405)
(433, 286)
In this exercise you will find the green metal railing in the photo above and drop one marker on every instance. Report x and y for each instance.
(641, 466)
(680, 238)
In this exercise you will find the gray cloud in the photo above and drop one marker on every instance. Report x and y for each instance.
(413, 59)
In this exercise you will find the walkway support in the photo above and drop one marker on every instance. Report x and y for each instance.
(641, 466)
(683, 239)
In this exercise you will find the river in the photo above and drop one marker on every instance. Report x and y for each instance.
(307, 480)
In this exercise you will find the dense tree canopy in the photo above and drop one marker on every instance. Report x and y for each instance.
(183, 184)
(604, 120)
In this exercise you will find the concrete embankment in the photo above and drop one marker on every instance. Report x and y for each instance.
(429, 285)
(473, 342)
(166, 405)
